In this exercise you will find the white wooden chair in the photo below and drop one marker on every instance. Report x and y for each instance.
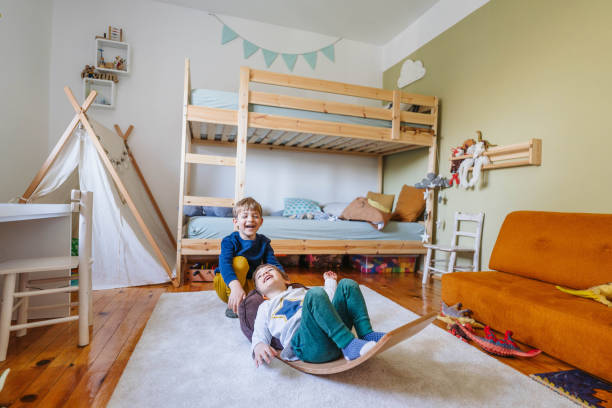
(431, 264)
(19, 300)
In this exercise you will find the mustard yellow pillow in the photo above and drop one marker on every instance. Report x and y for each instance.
(410, 204)
(384, 201)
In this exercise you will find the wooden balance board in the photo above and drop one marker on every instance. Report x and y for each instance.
(387, 341)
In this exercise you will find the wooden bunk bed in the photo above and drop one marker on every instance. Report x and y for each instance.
(203, 125)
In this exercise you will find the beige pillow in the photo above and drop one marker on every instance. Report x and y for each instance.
(410, 204)
(385, 201)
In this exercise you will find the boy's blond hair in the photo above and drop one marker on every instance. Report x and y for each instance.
(283, 273)
(247, 203)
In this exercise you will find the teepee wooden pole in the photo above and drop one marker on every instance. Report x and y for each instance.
(125, 136)
(113, 173)
(58, 147)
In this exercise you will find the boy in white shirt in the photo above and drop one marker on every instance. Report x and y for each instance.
(312, 325)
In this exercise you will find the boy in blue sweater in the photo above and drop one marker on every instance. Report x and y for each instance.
(242, 252)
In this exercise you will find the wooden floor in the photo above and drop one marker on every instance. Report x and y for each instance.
(47, 368)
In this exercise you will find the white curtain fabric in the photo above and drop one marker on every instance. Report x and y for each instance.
(122, 255)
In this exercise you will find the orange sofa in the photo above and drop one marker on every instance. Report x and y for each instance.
(534, 252)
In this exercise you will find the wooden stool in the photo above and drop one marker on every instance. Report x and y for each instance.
(19, 300)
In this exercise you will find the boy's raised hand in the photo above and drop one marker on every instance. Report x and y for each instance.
(330, 275)
(263, 353)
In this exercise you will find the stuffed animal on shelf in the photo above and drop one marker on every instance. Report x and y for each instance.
(88, 72)
(600, 293)
(119, 64)
(477, 161)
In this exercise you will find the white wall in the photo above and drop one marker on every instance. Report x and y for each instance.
(442, 16)
(25, 33)
(150, 98)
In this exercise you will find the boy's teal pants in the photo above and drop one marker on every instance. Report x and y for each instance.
(326, 326)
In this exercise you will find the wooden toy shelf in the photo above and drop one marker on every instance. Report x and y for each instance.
(522, 154)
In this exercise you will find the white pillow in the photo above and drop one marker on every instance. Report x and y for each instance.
(334, 209)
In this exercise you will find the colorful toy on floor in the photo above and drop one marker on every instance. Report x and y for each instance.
(491, 344)
(453, 314)
(200, 273)
(383, 264)
(600, 293)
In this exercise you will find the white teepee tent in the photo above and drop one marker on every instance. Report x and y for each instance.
(132, 245)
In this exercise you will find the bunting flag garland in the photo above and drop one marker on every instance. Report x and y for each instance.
(329, 52)
(311, 58)
(269, 56)
(227, 35)
(249, 48)
(290, 60)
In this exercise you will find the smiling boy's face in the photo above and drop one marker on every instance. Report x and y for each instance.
(269, 281)
(248, 222)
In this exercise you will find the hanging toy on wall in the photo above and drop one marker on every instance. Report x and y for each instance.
(477, 160)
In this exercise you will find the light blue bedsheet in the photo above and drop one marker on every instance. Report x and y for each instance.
(286, 228)
(229, 100)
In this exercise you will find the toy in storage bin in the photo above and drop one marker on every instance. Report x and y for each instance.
(384, 264)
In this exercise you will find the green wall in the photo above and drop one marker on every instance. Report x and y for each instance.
(516, 70)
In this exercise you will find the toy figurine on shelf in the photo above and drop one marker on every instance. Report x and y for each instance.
(88, 72)
(101, 57)
(119, 64)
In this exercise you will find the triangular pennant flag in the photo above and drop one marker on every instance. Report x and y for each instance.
(227, 35)
(290, 60)
(311, 58)
(269, 56)
(249, 48)
(329, 52)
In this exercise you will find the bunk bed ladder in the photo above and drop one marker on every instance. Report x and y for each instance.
(188, 158)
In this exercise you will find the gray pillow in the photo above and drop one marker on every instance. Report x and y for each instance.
(335, 208)
(193, 210)
(217, 211)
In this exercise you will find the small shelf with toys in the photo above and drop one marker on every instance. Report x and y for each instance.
(105, 89)
(528, 153)
(112, 56)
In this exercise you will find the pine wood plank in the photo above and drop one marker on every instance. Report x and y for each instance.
(211, 160)
(320, 85)
(102, 343)
(316, 105)
(126, 337)
(192, 246)
(212, 201)
(29, 378)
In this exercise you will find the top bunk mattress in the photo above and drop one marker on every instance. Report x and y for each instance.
(286, 228)
(229, 100)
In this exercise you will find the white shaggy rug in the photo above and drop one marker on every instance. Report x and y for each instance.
(191, 355)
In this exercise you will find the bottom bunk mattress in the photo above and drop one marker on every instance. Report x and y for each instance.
(287, 228)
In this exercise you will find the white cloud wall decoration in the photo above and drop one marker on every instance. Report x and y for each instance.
(411, 71)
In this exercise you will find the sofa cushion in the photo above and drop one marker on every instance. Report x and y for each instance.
(568, 249)
(575, 330)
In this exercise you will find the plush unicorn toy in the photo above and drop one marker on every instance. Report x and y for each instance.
(477, 160)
